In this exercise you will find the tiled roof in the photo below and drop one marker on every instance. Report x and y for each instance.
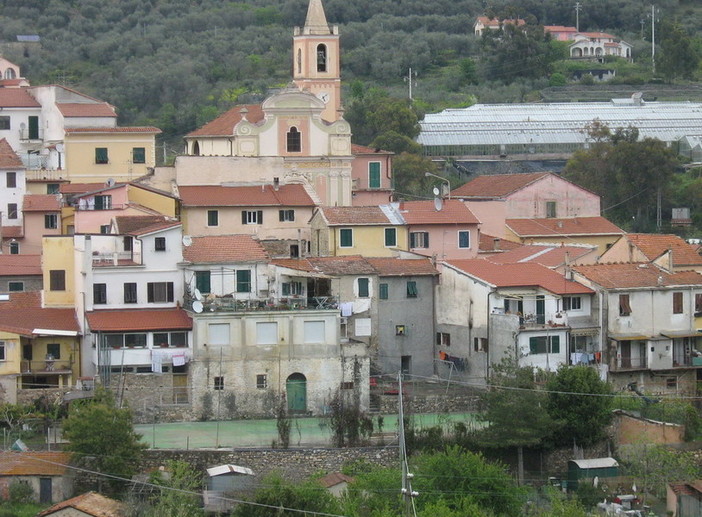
(17, 98)
(34, 463)
(41, 203)
(126, 129)
(297, 264)
(424, 212)
(354, 215)
(20, 265)
(139, 319)
(8, 157)
(598, 35)
(143, 224)
(392, 266)
(559, 28)
(496, 185)
(654, 245)
(90, 504)
(351, 265)
(492, 243)
(632, 275)
(84, 109)
(22, 300)
(547, 227)
(249, 196)
(80, 188)
(224, 124)
(224, 248)
(334, 478)
(8, 232)
(25, 320)
(362, 149)
(519, 275)
(549, 256)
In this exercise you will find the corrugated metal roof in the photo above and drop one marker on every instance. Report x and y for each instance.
(596, 463)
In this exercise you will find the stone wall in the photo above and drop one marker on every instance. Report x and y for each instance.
(634, 430)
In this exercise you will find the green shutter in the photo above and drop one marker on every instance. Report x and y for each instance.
(202, 281)
(383, 291)
(346, 237)
(138, 155)
(555, 344)
(243, 281)
(363, 291)
(374, 175)
(101, 155)
(411, 289)
(390, 237)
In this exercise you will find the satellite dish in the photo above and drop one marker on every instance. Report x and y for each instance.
(198, 295)
(197, 306)
(436, 191)
(438, 204)
(110, 182)
(187, 240)
(60, 147)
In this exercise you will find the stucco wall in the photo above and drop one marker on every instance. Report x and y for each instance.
(630, 430)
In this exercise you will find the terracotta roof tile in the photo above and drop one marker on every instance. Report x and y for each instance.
(654, 245)
(125, 129)
(8, 157)
(139, 319)
(225, 248)
(496, 185)
(9, 232)
(16, 265)
(392, 266)
(224, 124)
(80, 188)
(25, 320)
(354, 215)
(22, 300)
(549, 256)
(85, 109)
(248, 196)
(357, 150)
(41, 203)
(424, 212)
(297, 264)
(632, 275)
(130, 224)
(34, 463)
(17, 98)
(334, 478)
(91, 504)
(519, 275)
(555, 227)
(350, 265)
(499, 244)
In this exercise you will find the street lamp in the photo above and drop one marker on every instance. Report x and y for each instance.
(448, 183)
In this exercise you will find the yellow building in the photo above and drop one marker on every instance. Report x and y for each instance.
(58, 270)
(369, 231)
(39, 347)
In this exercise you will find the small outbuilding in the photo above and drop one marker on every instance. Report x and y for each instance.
(590, 469)
(224, 482)
(44, 471)
(90, 504)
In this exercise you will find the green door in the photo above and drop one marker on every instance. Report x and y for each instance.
(33, 127)
(296, 388)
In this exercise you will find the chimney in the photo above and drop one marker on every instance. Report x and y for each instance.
(276, 183)
(496, 244)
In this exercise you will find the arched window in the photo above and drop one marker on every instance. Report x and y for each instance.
(10, 73)
(196, 149)
(321, 58)
(299, 61)
(294, 142)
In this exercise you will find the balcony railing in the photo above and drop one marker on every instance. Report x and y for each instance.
(231, 304)
(631, 363)
(45, 366)
(31, 134)
(123, 258)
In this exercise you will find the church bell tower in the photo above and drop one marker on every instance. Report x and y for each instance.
(316, 63)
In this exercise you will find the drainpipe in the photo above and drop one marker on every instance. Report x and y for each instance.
(489, 345)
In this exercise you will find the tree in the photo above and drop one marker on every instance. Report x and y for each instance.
(179, 496)
(102, 437)
(408, 175)
(374, 112)
(656, 466)
(679, 58)
(579, 402)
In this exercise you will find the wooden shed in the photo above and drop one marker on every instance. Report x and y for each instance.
(589, 469)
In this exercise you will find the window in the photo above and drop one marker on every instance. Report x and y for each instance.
(5, 123)
(480, 344)
(15, 287)
(160, 244)
(321, 58)
(218, 333)
(33, 127)
(138, 155)
(11, 179)
(383, 291)
(346, 238)
(159, 292)
(411, 289)
(130, 292)
(374, 175)
(390, 237)
(293, 141)
(12, 211)
(544, 345)
(292, 288)
(363, 287)
(52, 188)
(53, 350)
(252, 217)
(550, 209)
(266, 333)
(261, 381)
(286, 215)
(400, 330)
(101, 155)
(2, 350)
(50, 221)
(202, 281)
(103, 202)
(175, 339)
(464, 239)
(698, 304)
(243, 281)
(314, 332)
(213, 218)
(677, 302)
(572, 303)
(104, 229)
(219, 383)
(624, 307)
(419, 240)
(347, 385)
(128, 242)
(671, 383)
(99, 294)
(57, 280)
(14, 248)
(443, 339)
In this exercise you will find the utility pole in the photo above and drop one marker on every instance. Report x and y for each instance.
(407, 493)
(653, 39)
(408, 80)
(578, 7)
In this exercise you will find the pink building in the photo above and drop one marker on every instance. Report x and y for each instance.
(371, 174)
(561, 33)
(42, 216)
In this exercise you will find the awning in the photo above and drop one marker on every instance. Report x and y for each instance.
(681, 333)
(630, 337)
(584, 332)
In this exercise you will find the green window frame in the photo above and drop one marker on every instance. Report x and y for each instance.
(545, 345)
(390, 237)
(243, 281)
(213, 218)
(411, 289)
(101, 155)
(346, 237)
(464, 239)
(363, 287)
(374, 175)
(383, 291)
(203, 282)
(138, 155)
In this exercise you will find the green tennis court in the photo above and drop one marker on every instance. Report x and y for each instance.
(304, 432)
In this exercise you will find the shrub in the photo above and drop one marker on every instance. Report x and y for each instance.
(21, 492)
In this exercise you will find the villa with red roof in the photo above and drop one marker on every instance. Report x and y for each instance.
(483, 23)
(523, 310)
(553, 257)
(667, 251)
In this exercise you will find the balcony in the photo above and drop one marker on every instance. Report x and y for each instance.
(124, 258)
(230, 304)
(45, 367)
(631, 363)
(32, 135)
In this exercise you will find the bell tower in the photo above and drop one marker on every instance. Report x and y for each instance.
(316, 63)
